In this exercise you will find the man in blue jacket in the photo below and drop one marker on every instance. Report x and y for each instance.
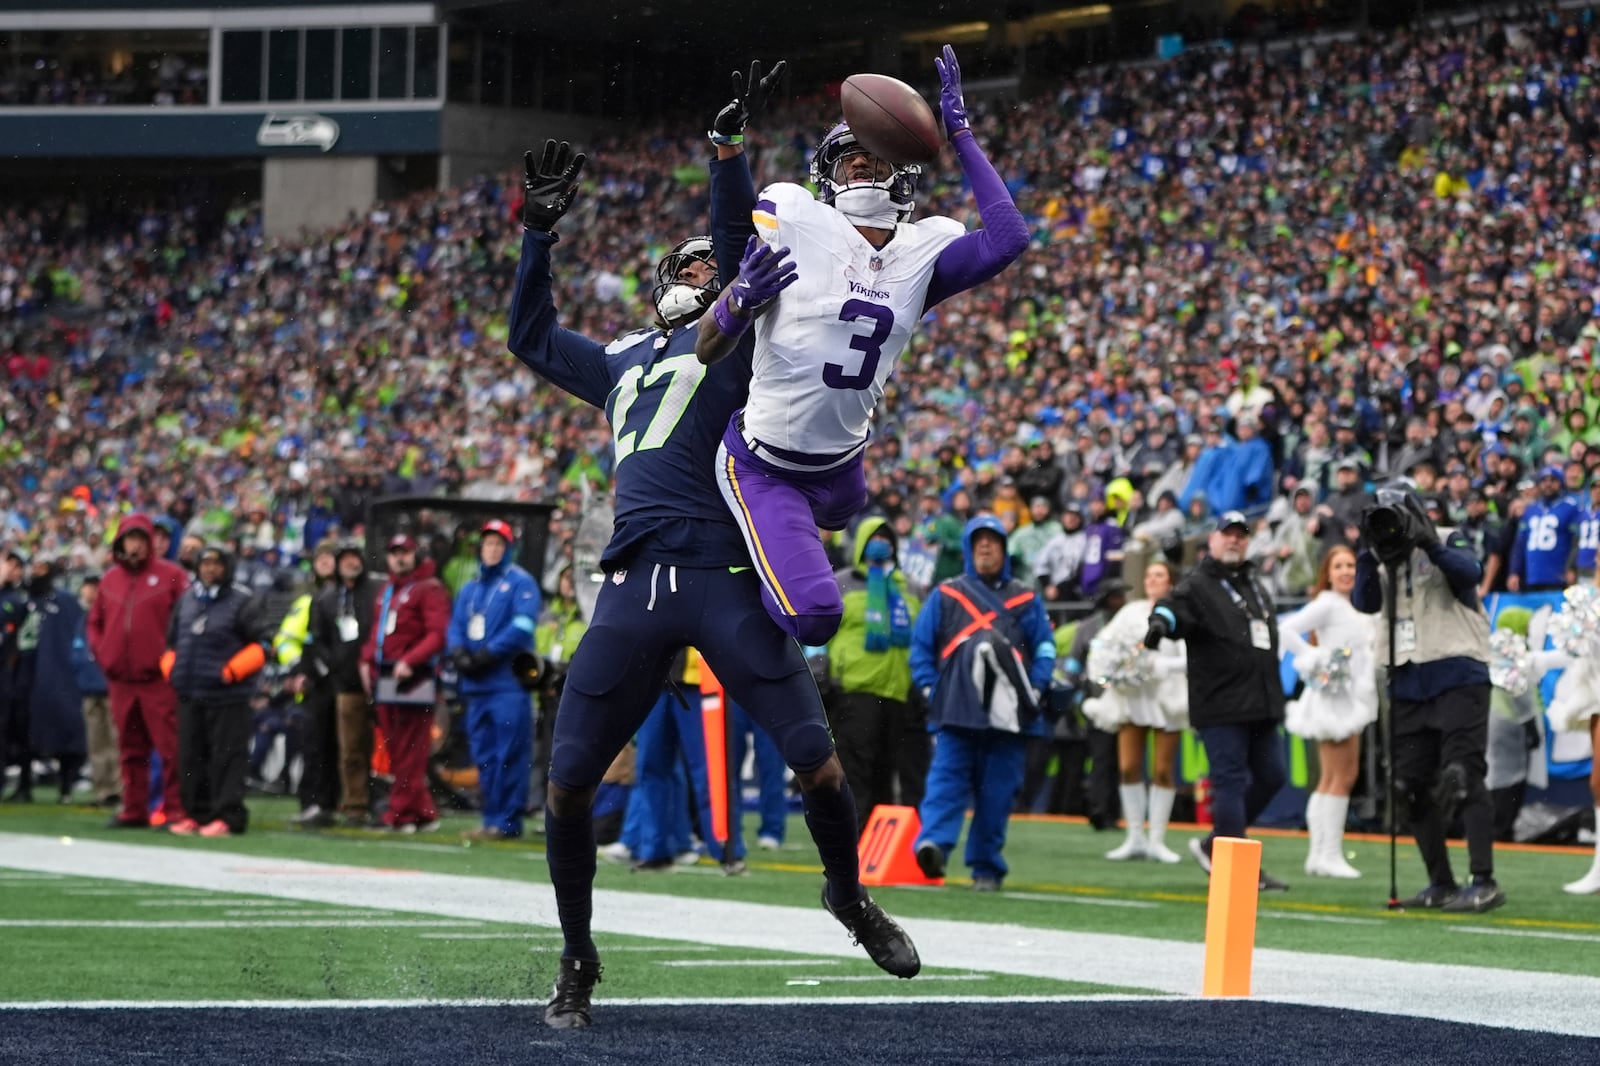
(493, 620)
(982, 652)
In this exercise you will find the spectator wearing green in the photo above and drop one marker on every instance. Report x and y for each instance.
(882, 740)
(1026, 543)
(555, 638)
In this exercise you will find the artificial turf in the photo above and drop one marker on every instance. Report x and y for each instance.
(75, 939)
(1060, 880)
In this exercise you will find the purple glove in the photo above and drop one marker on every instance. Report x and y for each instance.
(951, 106)
(763, 273)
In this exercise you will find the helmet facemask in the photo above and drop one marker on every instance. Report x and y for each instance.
(882, 202)
(677, 299)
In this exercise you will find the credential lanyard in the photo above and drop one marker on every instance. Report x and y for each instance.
(1240, 602)
(383, 620)
(480, 605)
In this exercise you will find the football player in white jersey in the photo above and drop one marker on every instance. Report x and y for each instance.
(791, 460)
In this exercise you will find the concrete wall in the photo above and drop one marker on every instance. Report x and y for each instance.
(311, 193)
(488, 140)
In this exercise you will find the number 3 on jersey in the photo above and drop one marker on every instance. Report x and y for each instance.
(871, 346)
(671, 384)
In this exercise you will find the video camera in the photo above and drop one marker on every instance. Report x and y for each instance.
(1396, 523)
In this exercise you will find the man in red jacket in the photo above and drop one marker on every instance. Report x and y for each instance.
(408, 635)
(127, 633)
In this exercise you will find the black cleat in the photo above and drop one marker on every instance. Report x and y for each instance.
(1432, 898)
(128, 823)
(569, 1003)
(1476, 898)
(1265, 882)
(930, 860)
(880, 934)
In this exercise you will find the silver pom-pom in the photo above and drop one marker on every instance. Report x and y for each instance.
(1119, 663)
(1508, 661)
(1576, 629)
(1332, 675)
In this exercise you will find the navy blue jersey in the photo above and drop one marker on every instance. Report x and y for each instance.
(667, 411)
(1545, 543)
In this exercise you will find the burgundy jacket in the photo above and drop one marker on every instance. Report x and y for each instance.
(127, 626)
(420, 605)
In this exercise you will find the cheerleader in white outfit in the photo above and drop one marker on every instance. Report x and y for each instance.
(1575, 706)
(1336, 718)
(1159, 705)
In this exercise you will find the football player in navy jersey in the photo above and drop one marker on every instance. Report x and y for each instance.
(677, 572)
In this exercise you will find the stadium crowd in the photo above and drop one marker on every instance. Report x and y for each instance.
(30, 78)
(1250, 274)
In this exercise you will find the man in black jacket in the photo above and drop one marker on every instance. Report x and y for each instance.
(1235, 692)
(341, 620)
(218, 640)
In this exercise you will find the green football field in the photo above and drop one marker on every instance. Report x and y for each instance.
(103, 935)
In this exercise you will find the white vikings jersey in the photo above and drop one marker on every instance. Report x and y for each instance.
(826, 347)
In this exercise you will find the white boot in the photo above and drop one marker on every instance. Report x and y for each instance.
(1589, 883)
(1314, 864)
(1133, 805)
(1331, 836)
(1156, 848)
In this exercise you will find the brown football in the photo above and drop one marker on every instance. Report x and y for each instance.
(890, 118)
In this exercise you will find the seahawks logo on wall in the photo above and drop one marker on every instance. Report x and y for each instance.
(297, 131)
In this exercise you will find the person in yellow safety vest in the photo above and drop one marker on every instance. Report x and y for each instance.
(555, 638)
(319, 780)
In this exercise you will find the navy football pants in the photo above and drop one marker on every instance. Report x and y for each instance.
(644, 616)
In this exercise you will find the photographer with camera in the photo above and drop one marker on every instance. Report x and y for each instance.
(1438, 686)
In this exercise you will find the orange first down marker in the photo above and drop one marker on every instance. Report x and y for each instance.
(1231, 916)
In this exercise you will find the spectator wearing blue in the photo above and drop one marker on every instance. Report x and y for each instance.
(1589, 534)
(771, 776)
(105, 778)
(1547, 540)
(492, 622)
(656, 832)
(982, 653)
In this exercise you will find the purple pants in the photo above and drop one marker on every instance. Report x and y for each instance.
(779, 511)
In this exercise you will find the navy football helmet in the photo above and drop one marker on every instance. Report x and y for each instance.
(899, 189)
(676, 300)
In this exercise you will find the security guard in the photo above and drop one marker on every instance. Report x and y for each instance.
(493, 620)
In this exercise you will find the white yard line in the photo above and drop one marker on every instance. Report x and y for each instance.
(135, 892)
(278, 903)
(748, 962)
(1536, 934)
(1088, 901)
(492, 936)
(875, 978)
(1451, 993)
(301, 912)
(205, 923)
